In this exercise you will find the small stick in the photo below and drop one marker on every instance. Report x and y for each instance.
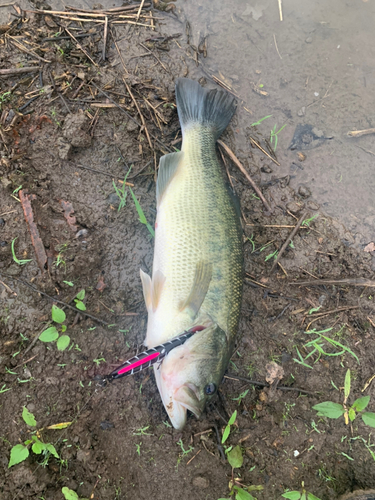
(332, 311)
(370, 320)
(8, 288)
(24, 49)
(277, 48)
(194, 456)
(289, 239)
(152, 54)
(25, 362)
(103, 173)
(17, 71)
(261, 384)
(105, 37)
(281, 226)
(80, 47)
(139, 112)
(358, 133)
(254, 143)
(345, 281)
(55, 300)
(239, 165)
(280, 10)
(36, 240)
(165, 148)
(140, 10)
(107, 11)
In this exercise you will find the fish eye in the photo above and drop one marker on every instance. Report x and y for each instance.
(210, 389)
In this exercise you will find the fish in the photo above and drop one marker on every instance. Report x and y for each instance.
(197, 274)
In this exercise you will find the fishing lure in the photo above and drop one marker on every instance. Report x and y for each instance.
(151, 356)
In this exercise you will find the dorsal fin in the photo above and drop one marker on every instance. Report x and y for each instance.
(201, 283)
(167, 167)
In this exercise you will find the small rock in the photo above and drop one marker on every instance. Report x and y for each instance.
(309, 39)
(294, 207)
(302, 111)
(82, 233)
(5, 182)
(31, 407)
(74, 130)
(131, 126)
(266, 169)
(2, 222)
(63, 148)
(301, 156)
(304, 191)
(113, 200)
(14, 270)
(312, 205)
(201, 482)
(106, 425)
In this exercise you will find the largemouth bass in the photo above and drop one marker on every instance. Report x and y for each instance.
(198, 261)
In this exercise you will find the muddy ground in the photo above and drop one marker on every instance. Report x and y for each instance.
(68, 148)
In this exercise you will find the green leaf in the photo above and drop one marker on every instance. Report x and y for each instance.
(235, 457)
(69, 494)
(38, 447)
(18, 454)
(361, 403)
(63, 328)
(310, 496)
(49, 447)
(329, 409)
(80, 305)
(28, 417)
(347, 385)
(369, 418)
(225, 434)
(49, 335)
(69, 283)
(303, 496)
(63, 342)
(81, 295)
(242, 494)
(292, 495)
(233, 418)
(351, 414)
(58, 314)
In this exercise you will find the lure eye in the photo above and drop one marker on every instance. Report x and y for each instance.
(210, 389)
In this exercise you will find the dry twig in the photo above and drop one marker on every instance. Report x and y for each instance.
(289, 239)
(245, 173)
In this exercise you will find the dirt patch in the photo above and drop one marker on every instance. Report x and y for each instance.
(68, 148)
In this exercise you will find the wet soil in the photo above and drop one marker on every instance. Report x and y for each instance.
(68, 148)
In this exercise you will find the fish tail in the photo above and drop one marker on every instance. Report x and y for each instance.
(198, 106)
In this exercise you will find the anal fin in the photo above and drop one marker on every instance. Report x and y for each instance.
(202, 280)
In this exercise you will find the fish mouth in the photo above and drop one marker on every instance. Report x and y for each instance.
(178, 402)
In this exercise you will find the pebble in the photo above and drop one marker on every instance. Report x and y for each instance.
(2, 222)
(294, 207)
(201, 482)
(302, 111)
(113, 200)
(83, 232)
(312, 205)
(304, 191)
(309, 39)
(266, 169)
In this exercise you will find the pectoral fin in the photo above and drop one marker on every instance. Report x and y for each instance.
(202, 280)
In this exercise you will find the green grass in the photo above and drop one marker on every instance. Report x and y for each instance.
(142, 217)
